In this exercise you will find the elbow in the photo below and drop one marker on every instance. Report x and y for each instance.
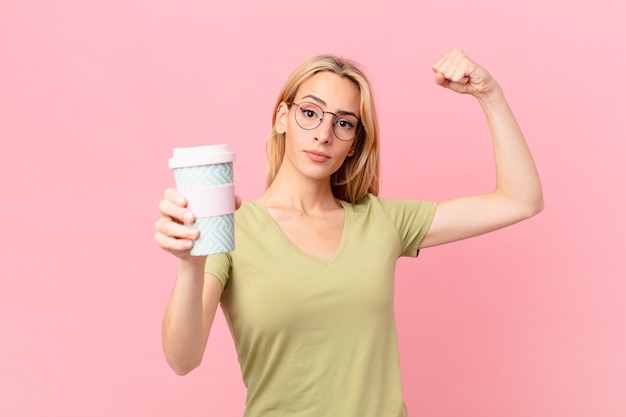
(525, 203)
(182, 366)
(182, 369)
(533, 207)
(538, 204)
(539, 207)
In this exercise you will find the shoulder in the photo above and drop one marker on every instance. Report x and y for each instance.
(390, 206)
(365, 203)
(379, 209)
(249, 210)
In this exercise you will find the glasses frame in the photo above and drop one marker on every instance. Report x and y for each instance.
(321, 119)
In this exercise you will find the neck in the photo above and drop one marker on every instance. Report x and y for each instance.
(295, 192)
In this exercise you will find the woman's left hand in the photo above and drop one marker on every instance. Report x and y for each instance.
(458, 73)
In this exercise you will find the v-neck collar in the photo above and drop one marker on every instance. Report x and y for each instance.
(344, 235)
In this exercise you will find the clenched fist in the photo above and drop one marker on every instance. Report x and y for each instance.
(458, 73)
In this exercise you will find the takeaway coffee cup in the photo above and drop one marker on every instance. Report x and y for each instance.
(204, 175)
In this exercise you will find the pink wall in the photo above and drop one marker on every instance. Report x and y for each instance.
(528, 321)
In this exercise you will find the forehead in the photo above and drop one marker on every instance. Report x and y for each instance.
(339, 93)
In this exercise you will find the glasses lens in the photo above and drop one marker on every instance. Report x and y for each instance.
(345, 126)
(310, 115)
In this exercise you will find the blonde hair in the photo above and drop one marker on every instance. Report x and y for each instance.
(360, 173)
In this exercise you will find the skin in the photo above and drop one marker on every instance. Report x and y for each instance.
(517, 194)
(300, 197)
(301, 201)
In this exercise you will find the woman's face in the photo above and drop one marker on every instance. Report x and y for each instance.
(318, 153)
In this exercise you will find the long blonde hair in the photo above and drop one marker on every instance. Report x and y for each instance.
(360, 173)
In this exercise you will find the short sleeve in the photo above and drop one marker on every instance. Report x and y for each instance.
(220, 266)
(412, 219)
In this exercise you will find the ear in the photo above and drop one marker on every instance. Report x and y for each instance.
(352, 149)
(282, 114)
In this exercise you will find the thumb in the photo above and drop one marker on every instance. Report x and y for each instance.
(459, 86)
(441, 80)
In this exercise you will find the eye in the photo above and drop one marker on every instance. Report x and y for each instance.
(309, 112)
(345, 124)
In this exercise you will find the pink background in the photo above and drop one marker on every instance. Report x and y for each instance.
(528, 321)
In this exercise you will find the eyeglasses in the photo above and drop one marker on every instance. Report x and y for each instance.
(310, 115)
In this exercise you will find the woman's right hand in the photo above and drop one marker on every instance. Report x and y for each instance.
(171, 233)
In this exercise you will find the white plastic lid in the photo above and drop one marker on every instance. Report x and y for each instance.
(201, 155)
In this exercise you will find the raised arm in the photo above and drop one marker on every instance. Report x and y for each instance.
(517, 194)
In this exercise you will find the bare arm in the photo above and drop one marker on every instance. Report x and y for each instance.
(189, 317)
(517, 194)
(196, 295)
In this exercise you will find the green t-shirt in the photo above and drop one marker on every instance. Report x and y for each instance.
(317, 337)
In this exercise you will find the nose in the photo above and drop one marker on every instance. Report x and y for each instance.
(326, 130)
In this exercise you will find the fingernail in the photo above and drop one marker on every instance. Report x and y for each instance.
(194, 233)
(188, 217)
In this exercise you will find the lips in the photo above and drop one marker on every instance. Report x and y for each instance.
(317, 156)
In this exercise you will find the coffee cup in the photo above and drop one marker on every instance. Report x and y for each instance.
(204, 175)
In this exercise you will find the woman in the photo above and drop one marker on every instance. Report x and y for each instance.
(308, 291)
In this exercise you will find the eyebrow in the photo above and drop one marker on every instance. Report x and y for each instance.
(323, 103)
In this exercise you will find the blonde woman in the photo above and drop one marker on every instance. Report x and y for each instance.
(308, 291)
